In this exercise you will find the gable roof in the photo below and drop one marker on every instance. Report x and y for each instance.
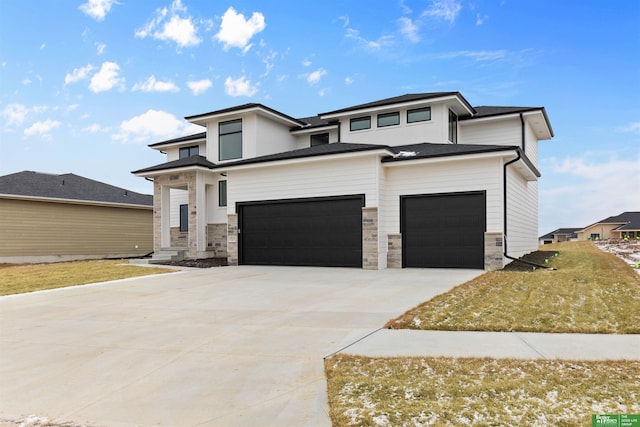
(410, 97)
(69, 187)
(192, 161)
(244, 107)
(627, 221)
(571, 232)
(194, 137)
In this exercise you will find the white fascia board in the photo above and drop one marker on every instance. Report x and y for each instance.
(378, 153)
(314, 129)
(74, 201)
(190, 142)
(151, 174)
(230, 115)
(400, 105)
(547, 134)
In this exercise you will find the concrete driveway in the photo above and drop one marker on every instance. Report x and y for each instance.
(233, 346)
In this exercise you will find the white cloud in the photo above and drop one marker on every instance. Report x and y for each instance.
(236, 31)
(97, 9)
(480, 19)
(445, 10)
(42, 46)
(177, 28)
(94, 128)
(314, 77)
(153, 125)
(153, 85)
(199, 86)
(382, 41)
(348, 80)
(409, 29)
(633, 127)
(26, 81)
(479, 55)
(100, 47)
(42, 129)
(78, 74)
(107, 78)
(306, 63)
(16, 114)
(239, 87)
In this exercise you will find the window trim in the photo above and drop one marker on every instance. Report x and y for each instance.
(222, 202)
(415, 110)
(184, 218)
(189, 150)
(453, 127)
(220, 135)
(392, 114)
(311, 144)
(357, 119)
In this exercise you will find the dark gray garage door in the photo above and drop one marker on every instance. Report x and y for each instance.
(443, 230)
(304, 232)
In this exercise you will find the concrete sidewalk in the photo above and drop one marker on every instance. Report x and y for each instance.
(519, 345)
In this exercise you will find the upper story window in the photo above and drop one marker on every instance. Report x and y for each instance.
(189, 151)
(230, 140)
(319, 139)
(419, 115)
(453, 127)
(361, 123)
(388, 119)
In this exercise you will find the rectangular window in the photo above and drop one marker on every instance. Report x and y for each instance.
(594, 236)
(184, 217)
(230, 140)
(319, 139)
(189, 151)
(361, 123)
(388, 119)
(419, 115)
(453, 127)
(222, 193)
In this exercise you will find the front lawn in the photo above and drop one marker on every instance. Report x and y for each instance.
(17, 279)
(591, 292)
(478, 392)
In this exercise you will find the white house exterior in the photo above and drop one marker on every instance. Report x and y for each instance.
(419, 180)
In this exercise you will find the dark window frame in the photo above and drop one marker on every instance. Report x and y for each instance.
(222, 191)
(357, 120)
(453, 127)
(184, 217)
(221, 135)
(316, 136)
(395, 114)
(418, 110)
(192, 150)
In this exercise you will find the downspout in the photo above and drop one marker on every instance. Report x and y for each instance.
(504, 211)
(522, 133)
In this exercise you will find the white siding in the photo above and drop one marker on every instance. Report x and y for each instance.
(531, 145)
(173, 153)
(492, 132)
(272, 137)
(177, 197)
(304, 140)
(434, 130)
(450, 176)
(319, 178)
(522, 220)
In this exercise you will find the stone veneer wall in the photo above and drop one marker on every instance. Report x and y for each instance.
(394, 250)
(217, 239)
(232, 239)
(178, 238)
(493, 244)
(370, 238)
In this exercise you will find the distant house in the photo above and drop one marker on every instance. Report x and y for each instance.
(626, 224)
(559, 235)
(48, 218)
(418, 180)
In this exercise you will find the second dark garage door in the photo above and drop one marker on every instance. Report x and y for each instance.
(443, 230)
(302, 232)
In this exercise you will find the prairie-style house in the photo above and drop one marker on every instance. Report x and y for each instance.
(418, 180)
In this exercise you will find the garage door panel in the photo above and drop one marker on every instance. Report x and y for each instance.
(444, 230)
(317, 232)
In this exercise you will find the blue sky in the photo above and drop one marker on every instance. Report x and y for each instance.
(86, 85)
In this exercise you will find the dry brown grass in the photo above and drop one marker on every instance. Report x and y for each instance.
(591, 292)
(16, 279)
(477, 392)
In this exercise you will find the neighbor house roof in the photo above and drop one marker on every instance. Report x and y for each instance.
(627, 221)
(571, 232)
(70, 187)
(192, 161)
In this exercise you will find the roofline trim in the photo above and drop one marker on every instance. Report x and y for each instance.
(143, 173)
(74, 201)
(243, 109)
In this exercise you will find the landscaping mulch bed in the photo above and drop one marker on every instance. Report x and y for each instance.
(199, 263)
(537, 257)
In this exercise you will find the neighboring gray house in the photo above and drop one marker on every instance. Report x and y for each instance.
(418, 180)
(46, 218)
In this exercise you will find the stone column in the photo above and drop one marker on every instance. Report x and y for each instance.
(493, 244)
(370, 238)
(232, 239)
(394, 250)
